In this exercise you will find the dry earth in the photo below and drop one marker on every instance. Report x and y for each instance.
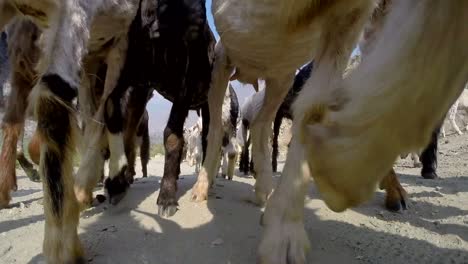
(226, 229)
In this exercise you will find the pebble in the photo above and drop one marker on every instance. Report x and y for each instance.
(217, 242)
(21, 206)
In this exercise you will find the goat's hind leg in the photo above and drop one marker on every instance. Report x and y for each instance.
(173, 145)
(63, 51)
(220, 78)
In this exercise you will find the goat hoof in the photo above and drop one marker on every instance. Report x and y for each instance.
(100, 198)
(167, 203)
(116, 188)
(283, 243)
(396, 200)
(167, 211)
(33, 175)
(430, 175)
(396, 206)
(5, 200)
(200, 191)
(84, 197)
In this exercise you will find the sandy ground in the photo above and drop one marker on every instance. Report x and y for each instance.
(226, 229)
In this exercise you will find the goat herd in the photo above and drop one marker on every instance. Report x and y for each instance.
(103, 58)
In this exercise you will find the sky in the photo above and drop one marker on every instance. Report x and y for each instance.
(159, 108)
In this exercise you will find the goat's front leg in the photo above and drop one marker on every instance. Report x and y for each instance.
(284, 238)
(105, 130)
(173, 145)
(220, 78)
(275, 91)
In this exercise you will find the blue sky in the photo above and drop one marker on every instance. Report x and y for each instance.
(159, 107)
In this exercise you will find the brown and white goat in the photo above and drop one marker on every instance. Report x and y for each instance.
(75, 34)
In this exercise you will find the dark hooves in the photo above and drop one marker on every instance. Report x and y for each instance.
(116, 187)
(100, 198)
(397, 205)
(430, 175)
(167, 207)
(33, 175)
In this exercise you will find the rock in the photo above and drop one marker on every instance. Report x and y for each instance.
(217, 242)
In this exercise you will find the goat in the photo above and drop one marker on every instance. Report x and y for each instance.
(251, 106)
(74, 35)
(230, 117)
(350, 131)
(230, 146)
(171, 50)
(193, 139)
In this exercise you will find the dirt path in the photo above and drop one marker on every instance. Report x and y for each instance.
(226, 228)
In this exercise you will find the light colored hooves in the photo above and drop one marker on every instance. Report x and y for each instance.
(167, 211)
(262, 192)
(58, 250)
(200, 191)
(283, 243)
(84, 198)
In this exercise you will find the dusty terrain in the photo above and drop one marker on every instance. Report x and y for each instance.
(226, 229)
